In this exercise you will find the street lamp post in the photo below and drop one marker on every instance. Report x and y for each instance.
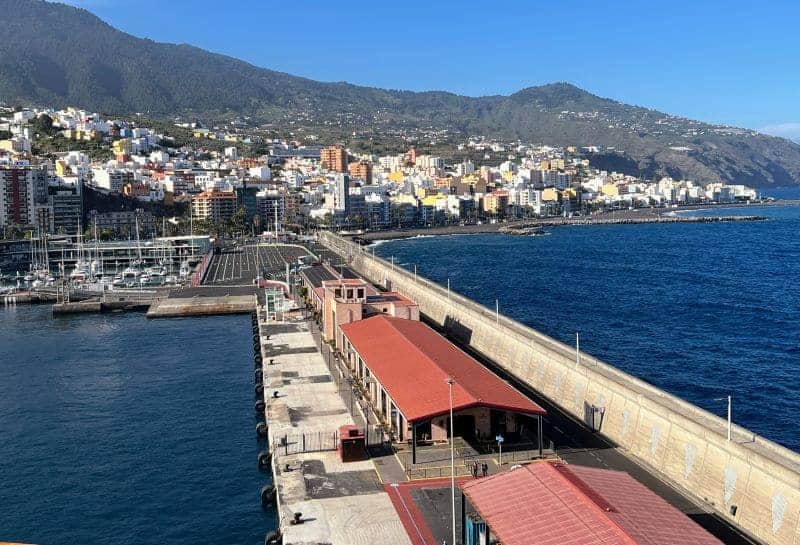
(350, 383)
(730, 413)
(450, 382)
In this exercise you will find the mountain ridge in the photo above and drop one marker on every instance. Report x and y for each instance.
(59, 55)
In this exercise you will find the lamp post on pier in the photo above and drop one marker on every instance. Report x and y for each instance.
(450, 382)
(730, 412)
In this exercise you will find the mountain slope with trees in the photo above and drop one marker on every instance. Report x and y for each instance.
(59, 55)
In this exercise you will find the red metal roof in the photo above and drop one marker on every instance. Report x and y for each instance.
(554, 504)
(412, 362)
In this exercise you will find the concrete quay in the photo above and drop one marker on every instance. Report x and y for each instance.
(205, 301)
(340, 503)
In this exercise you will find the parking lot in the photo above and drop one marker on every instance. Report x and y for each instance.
(240, 265)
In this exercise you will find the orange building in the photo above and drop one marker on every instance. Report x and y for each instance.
(361, 170)
(334, 158)
(214, 206)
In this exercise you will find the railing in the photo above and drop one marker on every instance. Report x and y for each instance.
(298, 443)
(200, 273)
(417, 473)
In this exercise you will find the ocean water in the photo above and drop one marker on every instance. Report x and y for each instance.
(700, 310)
(117, 429)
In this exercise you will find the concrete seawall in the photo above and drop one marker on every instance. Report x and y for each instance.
(750, 481)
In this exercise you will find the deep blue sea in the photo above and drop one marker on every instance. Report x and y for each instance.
(117, 429)
(700, 310)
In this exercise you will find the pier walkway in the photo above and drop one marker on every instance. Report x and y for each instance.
(340, 503)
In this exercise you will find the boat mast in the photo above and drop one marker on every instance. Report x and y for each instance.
(97, 259)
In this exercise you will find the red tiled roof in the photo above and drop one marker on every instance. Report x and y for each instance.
(554, 504)
(412, 362)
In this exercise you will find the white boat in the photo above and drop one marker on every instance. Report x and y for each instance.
(80, 273)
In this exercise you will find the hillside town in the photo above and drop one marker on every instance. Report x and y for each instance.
(237, 179)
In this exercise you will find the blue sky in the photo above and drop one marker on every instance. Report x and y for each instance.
(735, 62)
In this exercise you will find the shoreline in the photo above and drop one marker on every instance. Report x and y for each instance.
(618, 217)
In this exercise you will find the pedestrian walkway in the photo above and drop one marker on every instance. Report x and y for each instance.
(339, 503)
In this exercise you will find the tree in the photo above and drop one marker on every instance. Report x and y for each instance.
(43, 125)
(13, 231)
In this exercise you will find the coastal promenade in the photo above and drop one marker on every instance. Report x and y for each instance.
(744, 490)
(334, 502)
(617, 217)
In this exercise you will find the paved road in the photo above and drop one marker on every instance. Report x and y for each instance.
(239, 265)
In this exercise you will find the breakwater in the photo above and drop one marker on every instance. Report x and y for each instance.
(750, 481)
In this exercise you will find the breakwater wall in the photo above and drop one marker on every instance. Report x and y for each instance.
(750, 481)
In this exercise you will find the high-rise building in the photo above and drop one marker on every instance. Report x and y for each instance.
(334, 158)
(17, 196)
(341, 194)
(495, 203)
(67, 210)
(214, 206)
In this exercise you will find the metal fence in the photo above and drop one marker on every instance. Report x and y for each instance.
(434, 472)
(297, 443)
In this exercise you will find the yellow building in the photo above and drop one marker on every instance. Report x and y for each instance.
(63, 169)
(569, 193)
(549, 194)
(430, 200)
(121, 146)
(610, 190)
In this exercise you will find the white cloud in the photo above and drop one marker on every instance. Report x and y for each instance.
(785, 130)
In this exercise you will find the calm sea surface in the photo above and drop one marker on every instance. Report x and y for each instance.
(700, 310)
(117, 429)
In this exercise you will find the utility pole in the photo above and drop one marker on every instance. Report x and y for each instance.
(450, 382)
(730, 414)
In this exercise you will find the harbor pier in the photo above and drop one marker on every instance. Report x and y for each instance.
(746, 489)
(319, 498)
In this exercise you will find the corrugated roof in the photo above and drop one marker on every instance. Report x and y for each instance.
(553, 504)
(412, 362)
